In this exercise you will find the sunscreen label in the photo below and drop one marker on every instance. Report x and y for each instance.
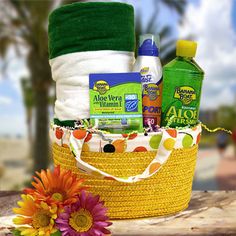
(131, 102)
(151, 97)
(101, 86)
(181, 103)
(185, 94)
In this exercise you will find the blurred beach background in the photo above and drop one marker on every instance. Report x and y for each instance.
(27, 91)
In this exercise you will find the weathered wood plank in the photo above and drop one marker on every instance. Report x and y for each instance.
(209, 213)
(8, 200)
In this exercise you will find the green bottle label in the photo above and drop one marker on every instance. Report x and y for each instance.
(181, 98)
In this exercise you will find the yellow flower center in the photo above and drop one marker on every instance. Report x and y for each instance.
(57, 197)
(41, 219)
(81, 220)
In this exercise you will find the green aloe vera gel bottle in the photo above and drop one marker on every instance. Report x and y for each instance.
(182, 84)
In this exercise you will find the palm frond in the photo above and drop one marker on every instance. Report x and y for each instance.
(176, 5)
(165, 32)
(5, 42)
(169, 56)
(167, 46)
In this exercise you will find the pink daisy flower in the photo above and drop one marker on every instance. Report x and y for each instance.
(86, 217)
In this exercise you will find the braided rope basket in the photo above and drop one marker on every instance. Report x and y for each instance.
(164, 193)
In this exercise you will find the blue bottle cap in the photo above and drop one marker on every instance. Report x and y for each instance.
(148, 45)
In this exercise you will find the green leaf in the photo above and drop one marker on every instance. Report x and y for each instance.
(16, 232)
(58, 233)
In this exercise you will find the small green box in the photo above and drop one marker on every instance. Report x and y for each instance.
(116, 102)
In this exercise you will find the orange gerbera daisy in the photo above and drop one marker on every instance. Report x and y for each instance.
(60, 187)
(40, 217)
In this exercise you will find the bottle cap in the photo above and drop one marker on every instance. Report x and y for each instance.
(186, 48)
(148, 45)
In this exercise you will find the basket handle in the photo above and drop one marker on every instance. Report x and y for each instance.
(165, 148)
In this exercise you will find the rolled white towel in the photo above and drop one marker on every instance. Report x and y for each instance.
(71, 73)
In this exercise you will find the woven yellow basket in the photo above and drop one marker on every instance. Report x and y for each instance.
(165, 193)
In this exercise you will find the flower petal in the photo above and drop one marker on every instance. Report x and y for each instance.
(20, 220)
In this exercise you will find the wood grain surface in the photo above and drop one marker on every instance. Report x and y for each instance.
(209, 213)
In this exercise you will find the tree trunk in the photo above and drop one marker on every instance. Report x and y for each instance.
(41, 79)
(29, 129)
(41, 141)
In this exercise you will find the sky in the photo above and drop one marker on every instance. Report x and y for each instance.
(12, 113)
(213, 27)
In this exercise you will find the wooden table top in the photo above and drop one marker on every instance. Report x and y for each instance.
(209, 213)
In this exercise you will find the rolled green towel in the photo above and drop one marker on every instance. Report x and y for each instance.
(64, 123)
(91, 26)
